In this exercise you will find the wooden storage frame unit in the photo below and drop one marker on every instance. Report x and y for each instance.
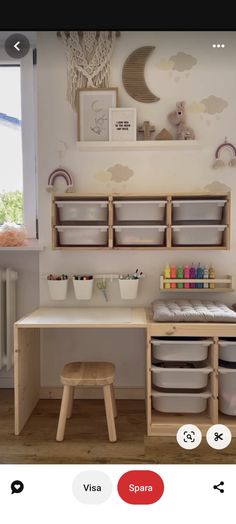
(168, 221)
(167, 424)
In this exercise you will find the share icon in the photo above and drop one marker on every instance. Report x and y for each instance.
(217, 487)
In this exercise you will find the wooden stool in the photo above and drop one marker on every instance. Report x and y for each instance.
(87, 374)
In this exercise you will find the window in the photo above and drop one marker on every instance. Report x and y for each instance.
(17, 142)
(11, 180)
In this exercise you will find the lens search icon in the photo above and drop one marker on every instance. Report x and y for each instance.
(17, 486)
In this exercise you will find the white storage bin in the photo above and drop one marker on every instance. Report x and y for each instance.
(83, 289)
(195, 235)
(183, 350)
(227, 391)
(139, 235)
(58, 289)
(82, 235)
(128, 288)
(140, 210)
(228, 349)
(82, 210)
(180, 402)
(199, 210)
(180, 378)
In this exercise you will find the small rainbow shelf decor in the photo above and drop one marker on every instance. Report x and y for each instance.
(61, 172)
(220, 154)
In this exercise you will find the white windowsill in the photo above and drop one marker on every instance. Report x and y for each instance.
(32, 245)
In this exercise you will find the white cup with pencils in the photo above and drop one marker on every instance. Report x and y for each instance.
(57, 285)
(129, 284)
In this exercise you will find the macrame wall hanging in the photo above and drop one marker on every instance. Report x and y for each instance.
(88, 59)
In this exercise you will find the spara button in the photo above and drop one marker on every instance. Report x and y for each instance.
(140, 487)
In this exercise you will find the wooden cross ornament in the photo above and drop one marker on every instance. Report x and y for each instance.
(146, 129)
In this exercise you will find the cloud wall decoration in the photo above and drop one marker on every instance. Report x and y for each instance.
(180, 62)
(214, 104)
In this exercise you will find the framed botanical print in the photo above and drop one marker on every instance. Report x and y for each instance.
(122, 123)
(93, 112)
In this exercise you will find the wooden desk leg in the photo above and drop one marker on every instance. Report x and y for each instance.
(26, 373)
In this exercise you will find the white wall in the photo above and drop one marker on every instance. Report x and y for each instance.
(154, 171)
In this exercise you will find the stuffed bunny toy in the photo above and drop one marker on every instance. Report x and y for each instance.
(177, 118)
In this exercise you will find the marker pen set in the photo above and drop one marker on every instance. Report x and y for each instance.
(52, 276)
(133, 276)
(189, 271)
(83, 277)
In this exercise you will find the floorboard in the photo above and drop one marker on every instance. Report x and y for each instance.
(86, 440)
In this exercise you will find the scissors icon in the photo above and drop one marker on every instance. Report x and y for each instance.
(218, 436)
(102, 285)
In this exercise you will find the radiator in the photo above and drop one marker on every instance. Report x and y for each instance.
(8, 279)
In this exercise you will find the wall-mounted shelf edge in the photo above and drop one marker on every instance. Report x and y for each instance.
(140, 145)
(229, 282)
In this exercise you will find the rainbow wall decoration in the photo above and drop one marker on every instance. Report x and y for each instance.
(59, 172)
(226, 146)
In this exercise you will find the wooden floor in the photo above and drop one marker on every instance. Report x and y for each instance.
(86, 439)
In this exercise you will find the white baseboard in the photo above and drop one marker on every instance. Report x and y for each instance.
(90, 393)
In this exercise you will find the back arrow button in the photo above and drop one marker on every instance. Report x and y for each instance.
(17, 45)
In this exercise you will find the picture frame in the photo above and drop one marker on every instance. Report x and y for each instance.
(93, 112)
(122, 124)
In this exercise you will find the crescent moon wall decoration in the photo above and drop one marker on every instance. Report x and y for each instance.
(133, 75)
(219, 152)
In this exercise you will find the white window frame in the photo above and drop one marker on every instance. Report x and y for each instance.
(28, 115)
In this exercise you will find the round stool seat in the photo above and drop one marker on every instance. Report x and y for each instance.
(88, 374)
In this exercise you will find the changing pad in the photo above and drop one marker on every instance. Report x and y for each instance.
(192, 311)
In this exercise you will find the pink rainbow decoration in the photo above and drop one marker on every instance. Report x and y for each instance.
(59, 172)
(228, 146)
(221, 163)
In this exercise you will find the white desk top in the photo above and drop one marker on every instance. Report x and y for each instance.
(102, 317)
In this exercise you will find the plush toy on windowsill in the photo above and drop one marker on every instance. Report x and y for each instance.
(12, 235)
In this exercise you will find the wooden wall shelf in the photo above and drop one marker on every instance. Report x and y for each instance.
(140, 145)
(139, 221)
(221, 285)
